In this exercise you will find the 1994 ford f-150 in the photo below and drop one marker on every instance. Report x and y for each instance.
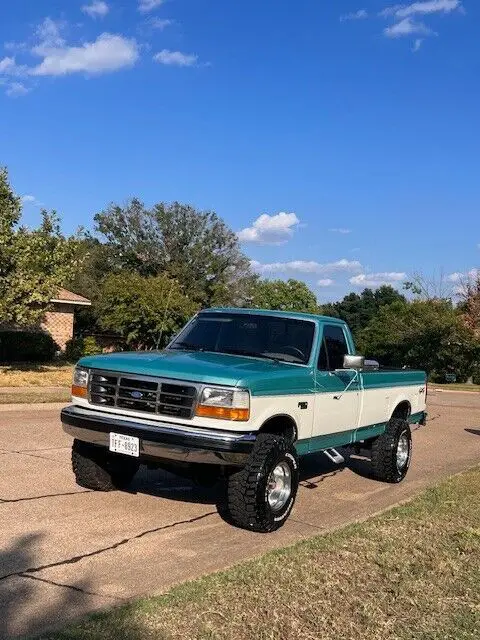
(243, 393)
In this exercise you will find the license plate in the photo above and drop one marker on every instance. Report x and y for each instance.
(128, 445)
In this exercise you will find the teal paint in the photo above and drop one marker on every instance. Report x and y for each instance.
(402, 377)
(203, 367)
(262, 377)
(297, 315)
(415, 418)
(372, 431)
(332, 440)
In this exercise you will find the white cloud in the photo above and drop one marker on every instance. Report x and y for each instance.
(325, 282)
(14, 46)
(425, 7)
(176, 58)
(16, 89)
(6, 64)
(276, 229)
(361, 14)
(49, 35)
(407, 27)
(29, 199)
(377, 279)
(98, 9)
(341, 230)
(158, 23)
(307, 266)
(9, 67)
(145, 6)
(455, 277)
(107, 53)
(417, 44)
(461, 277)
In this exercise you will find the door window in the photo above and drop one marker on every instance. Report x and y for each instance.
(334, 347)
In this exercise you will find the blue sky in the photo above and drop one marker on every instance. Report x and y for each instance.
(341, 139)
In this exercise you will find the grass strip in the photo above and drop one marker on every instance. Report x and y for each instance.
(412, 573)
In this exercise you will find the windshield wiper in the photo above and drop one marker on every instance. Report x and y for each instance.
(253, 354)
(186, 346)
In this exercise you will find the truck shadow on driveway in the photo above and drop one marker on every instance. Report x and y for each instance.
(315, 469)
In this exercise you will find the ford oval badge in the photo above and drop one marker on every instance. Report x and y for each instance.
(136, 395)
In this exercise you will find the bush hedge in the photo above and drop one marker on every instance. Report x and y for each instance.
(26, 346)
(78, 347)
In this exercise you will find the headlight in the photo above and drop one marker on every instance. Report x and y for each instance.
(224, 403)
(80, 382)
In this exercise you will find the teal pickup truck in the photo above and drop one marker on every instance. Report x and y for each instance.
(242, 394)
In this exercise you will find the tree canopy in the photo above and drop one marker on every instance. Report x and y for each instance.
(357, 310)
(33, 263)
(194, 247)
(421, 334)
(146, 311)
(292, 295)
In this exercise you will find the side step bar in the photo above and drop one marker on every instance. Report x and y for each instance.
(334, 456)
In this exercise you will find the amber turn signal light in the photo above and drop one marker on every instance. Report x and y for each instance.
(79, 392)
(224, 413)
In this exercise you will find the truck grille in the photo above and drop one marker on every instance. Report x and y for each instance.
(163, 397)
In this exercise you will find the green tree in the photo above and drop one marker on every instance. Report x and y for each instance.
(292, 295)
(357, 310)
(33, 263)
(425, 334)
(145, 311)
(194, 247)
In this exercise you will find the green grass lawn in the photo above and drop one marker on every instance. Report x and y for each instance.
(410, 574)
(455, 387)
(30, 395)
(36, 375)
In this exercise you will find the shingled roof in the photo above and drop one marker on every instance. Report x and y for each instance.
(68, 297)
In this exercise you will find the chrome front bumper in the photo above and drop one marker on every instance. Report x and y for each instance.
(160, 440)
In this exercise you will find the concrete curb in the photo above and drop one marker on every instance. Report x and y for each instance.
(455, 391)
(39, 406)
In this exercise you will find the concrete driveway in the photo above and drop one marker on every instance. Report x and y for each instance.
(65, 551)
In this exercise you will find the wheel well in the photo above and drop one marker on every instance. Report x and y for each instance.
(402, 410)
(281, 425)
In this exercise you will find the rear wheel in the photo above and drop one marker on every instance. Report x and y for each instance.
(262, 494)
(98, 469)
(392, 452)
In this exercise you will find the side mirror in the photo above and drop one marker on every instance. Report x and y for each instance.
(353, 362)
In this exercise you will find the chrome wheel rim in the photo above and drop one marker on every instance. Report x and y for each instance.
(403, 451)
(279, 486)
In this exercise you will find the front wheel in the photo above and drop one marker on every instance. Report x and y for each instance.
(98, 469)
(262, 494)
(392, 452)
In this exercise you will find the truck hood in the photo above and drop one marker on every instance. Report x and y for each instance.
(263, 376)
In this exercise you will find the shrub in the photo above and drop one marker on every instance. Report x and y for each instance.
(26, 346)
(78, 347)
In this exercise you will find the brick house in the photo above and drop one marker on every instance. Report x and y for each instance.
(58, 320)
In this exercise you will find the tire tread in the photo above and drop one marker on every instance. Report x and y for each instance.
(383, 459)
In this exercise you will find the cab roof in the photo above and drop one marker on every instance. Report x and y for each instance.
(281, 314)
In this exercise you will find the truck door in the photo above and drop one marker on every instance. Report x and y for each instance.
(337, 392)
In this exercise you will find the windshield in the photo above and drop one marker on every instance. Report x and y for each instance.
(270, 337)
